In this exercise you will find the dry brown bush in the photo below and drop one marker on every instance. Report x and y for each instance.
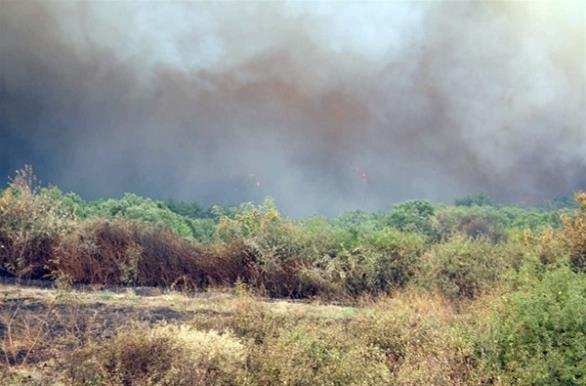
(168, 260)
(574, 235)
(98, 251)
(230, 262)
(552, 246)
(417, 334)
(259, 267)
(31, 225)
(119, 252)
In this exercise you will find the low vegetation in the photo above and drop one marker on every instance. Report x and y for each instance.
(465, 294)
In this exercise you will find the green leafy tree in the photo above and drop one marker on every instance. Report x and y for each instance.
(481, 199)
(412, 216)
(188, 209)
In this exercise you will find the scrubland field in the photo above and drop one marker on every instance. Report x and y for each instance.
(141, 292)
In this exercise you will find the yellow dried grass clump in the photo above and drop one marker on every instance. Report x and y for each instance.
(162, 355)
(574, 235)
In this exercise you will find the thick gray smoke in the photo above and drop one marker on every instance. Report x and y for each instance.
(324, 106)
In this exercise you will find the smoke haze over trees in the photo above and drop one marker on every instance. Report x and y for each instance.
(326, 107)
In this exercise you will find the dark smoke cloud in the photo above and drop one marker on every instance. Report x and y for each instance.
(325, 107)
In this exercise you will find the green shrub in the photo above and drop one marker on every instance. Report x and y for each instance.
(133, 207)
(189, 209)
(481, 199)
(320, 237)
(412, 216)
(351, 227)
(272, 247)
(538, 333)
(489, 222)
(546, 246)
(382, 262)
(202, 229)
(474, 222)
(356, 271)
(462, 268)
(397, 256)
(561, 202)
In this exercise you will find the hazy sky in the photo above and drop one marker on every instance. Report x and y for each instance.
(326, 106)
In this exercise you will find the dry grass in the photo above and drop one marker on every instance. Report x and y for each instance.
(82, 337)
